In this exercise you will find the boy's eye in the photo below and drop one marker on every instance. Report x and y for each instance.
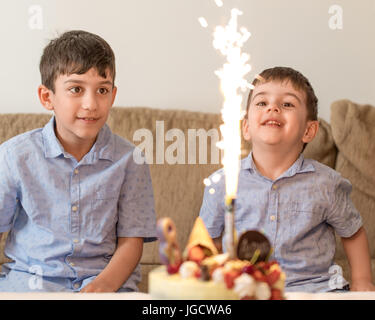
(75, 90)
(103, 90)
(260, 104)
(288, 104)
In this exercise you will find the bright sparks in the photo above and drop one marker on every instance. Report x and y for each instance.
(219, 3)
(207, 182)
(203, 22)
(229, 41)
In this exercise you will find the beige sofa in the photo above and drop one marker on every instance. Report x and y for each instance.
(347, 144)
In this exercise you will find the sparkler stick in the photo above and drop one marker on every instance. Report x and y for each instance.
(229, 238)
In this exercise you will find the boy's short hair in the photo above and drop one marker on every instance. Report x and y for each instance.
(77, 52)
(297, 79)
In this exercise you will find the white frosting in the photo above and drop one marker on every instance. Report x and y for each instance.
(188, 269)
(244, 285)
(222, 258)
(262, 291)
(218, 275)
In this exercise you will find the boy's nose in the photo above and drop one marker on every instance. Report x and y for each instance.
(273, 107)
(89, 103)
(89, 107)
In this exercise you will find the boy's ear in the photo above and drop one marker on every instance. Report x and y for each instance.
(311, 131)
(114, 92)
(245, 129)
(44, 95)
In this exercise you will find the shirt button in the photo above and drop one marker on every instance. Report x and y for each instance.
(74, 208)
(76, 285)
(75, 240)
(273, 218)
(76, 171)
(274, 187)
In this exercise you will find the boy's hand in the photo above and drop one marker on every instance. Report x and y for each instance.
(97, 286)
(362, 285)
(124, 260)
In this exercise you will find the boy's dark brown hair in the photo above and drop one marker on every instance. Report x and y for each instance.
(77, 52)
(298, 81)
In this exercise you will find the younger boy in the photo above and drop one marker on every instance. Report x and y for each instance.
(297, 202)
(77, 206)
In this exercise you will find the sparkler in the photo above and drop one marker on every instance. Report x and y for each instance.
(229, 41)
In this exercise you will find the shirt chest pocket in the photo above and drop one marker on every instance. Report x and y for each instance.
(104, 199)
(303, 217)
(105, 192)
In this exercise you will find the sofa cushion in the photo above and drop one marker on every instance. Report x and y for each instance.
(14, 124)
(353, 130)
(354, 134)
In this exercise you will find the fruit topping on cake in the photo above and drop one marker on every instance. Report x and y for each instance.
(251, 275)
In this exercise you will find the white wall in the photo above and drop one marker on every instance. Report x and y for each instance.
(165, 59)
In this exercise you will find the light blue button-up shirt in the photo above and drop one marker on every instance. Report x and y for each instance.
(65, 216)
(298, 212)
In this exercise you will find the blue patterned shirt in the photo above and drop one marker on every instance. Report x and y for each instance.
(298, 212)
(64, 217)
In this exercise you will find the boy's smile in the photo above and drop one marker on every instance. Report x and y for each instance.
(81, 104)
(277, 116)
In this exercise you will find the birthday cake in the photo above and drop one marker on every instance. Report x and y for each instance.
(201, 273)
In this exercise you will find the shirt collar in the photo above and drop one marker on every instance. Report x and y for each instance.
(103, 147)
(299, 166)
(52, 146)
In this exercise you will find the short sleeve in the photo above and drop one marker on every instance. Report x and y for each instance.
(343, 216)
(212, 210)
(8, 192)
(136, 204)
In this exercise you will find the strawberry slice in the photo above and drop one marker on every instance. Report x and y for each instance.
(276, 294)
(196, 254)
(259, 276)
(197, 274)
(273, 277)
(229, 278)
(173, 268)
(249, 269)
(262, 265)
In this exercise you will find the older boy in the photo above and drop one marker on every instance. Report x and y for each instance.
(77, 206)
(296, 201)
